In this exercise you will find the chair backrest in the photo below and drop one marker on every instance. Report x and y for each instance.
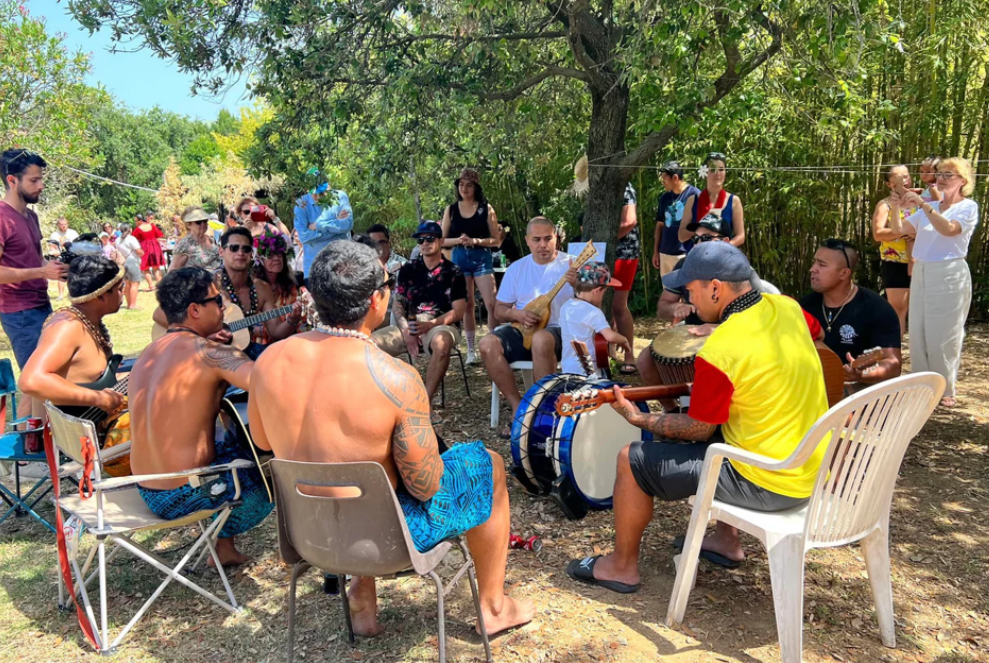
(358, 535)
(8, 385)
(869, 433)
(67, 434)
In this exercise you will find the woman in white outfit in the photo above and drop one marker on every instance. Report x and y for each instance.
(941, 288)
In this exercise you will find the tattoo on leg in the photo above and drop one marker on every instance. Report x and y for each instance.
(223, 357)
(414, 445)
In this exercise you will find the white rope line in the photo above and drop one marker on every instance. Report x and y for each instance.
(836, 170)
(107, 179)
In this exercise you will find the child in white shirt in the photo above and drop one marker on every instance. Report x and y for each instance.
(581, 317)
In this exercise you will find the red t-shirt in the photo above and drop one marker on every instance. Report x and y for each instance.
(20, 239)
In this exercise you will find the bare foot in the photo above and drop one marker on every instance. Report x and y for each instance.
(514, 612)
(948, 402)
(364, 607)
(724, 541)
(228, 554)
(606, 568)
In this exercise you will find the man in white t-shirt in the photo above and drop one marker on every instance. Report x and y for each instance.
(581, 317)
(63, 234)
(526, 279)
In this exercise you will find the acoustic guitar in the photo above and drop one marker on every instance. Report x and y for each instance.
(542, 305)
(588, 399)
(239, 326)
(112, 428)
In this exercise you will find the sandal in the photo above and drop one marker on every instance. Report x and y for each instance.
(628, 368)
(583, 570)
(709, 555)
(435, 418)
(505, 433)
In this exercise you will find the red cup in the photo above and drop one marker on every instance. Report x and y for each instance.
(32, 437)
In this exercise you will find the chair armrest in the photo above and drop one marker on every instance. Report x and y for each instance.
(719, 450)
(118, 483)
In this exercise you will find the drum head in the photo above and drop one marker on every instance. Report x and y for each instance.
(533, 428)
(677, 343)
(588, 446)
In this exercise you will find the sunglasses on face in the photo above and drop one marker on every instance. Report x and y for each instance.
(245, 211)
(388, 283)
(243, 248)
(218, 300)
(945, 176)
(839, 245)
(197, 223)
(697, 239)
(426, 240)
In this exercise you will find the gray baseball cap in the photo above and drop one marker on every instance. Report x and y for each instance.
(710, 260)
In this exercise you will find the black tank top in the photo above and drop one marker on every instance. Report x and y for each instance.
(476, 226)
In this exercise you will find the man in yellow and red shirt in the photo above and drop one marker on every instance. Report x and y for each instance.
(758, 378)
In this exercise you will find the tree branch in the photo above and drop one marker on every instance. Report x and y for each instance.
(734, 73)
(548, 72)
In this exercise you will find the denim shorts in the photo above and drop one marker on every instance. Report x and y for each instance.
(24, 329)
(473, 262)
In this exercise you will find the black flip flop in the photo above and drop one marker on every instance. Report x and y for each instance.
(583, 570)
(709, 555)
(628, 369)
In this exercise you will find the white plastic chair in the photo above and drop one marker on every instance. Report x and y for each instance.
(115, 512)
(869, 434)
(526, 368)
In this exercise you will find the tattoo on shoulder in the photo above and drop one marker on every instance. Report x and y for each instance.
(397, 380)
(414, 441)
(222, 357)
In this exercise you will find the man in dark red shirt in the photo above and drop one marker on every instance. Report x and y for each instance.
(24, 273)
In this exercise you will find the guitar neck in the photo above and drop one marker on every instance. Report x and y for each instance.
(652, 393)
(258, 318)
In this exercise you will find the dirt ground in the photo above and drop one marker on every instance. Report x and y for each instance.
(939, 536)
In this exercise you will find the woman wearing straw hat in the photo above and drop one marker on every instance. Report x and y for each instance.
(196, 248)
(470, 226)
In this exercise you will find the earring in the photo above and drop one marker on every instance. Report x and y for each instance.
(714, 298)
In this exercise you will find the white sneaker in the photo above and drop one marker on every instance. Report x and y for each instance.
(471, 357)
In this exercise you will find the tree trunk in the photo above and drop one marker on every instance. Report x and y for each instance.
(605, 150)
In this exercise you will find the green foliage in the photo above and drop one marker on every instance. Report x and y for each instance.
(199, 152)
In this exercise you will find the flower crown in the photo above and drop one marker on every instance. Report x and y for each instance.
(269, 244)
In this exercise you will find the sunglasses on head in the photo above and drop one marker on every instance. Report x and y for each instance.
(426, 240)
(839, 245)
(243, 248)
(218, 300)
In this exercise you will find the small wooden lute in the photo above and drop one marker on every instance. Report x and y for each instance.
(542, 305)
(239, 326)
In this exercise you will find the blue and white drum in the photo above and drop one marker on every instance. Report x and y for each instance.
(571, 458)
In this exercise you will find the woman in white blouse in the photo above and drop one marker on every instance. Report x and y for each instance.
(941, 289)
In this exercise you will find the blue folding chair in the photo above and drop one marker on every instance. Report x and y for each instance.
(12, 450)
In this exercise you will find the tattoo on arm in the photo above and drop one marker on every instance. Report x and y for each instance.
(398, 307)
(675, 426)
(414, 446)
(222, 357)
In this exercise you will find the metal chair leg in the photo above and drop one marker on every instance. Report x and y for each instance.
(472, 579)
(297, 571)
(346, 608)
(441, 615)
(463, 371)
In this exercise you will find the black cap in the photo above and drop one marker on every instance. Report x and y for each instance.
(712, 222)
(428, 228)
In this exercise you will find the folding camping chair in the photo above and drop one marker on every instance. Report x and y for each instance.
(115, 512)
(18, 502)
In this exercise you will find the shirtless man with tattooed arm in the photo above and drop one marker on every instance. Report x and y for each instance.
(174, 393)
(344, 400)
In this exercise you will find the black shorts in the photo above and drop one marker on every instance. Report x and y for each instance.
(511, 343)
(895, 274)
(671, 471)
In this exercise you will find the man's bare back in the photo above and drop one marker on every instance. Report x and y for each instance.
(174, 393)
(351, 413)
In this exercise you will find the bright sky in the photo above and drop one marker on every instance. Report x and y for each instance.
(140, 80)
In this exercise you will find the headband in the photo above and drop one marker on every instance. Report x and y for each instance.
(99, 292)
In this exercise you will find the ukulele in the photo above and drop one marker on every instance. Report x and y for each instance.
(542, 305)
(870, 357)
(602, 356)
(239, 326)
